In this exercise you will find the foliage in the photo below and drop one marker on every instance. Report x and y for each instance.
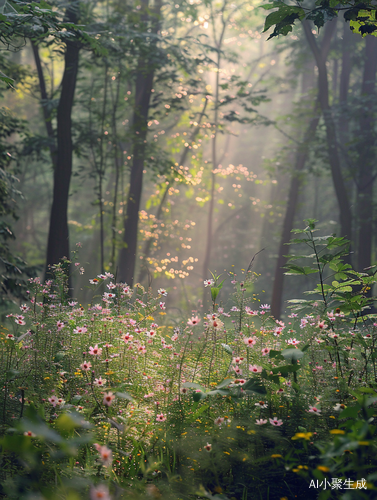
(213, 407)
(360, 15)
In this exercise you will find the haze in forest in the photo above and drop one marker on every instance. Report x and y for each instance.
(161, 141)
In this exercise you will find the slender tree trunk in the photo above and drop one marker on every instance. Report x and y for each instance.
(44, 103)
(143, 88)
(367, 157)
(294, 189)
(58, 237)
(332, 145)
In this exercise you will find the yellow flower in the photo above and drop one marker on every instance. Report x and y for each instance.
(363, 443)
(337, 431)
(302, 435)
(323, 468)
(276, 456)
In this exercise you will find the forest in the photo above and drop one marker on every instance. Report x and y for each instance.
(188, 251)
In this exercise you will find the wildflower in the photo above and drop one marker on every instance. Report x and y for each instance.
(72, 303)
(108, 398)
(29, 433)
(106, 454)
(94, 281)
(219, 420)
(288, 383)
(161, 417)
(99, 382)
(20, 321)
(265, 307)
(237, 370)
(101, 492)
(250, 341)
(53, 400)
(261, 404)
(162, 291)
(235, 309)
(59, 325)
(255, 368)
(265, 351)
(261, 421)
(302, 435)
(10, 336)
(162, 306)
(339, 406)
(209, 282)
(151, 334)
(193, 321)
(81, 329)
(208, 447)
(293, 342)
(109, 275)
(275, 421)
(24, 308)
(215, 322)
(95, 351)
(85, 366)
(322, 325)
(314, 409)
(109, 296)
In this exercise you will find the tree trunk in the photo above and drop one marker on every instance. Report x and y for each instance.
(294, 189)
(44, 102)
(58, 237)
(332, 146)
(143, 88)
(367, 157)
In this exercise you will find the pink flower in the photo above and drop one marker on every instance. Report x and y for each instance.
(219, 420)
(314, 409)
(95, 351)
(108, 398)
(208, 447)
(193, 321)
(261, 421)
(29, 434)
(250, 341)
(276, 422)
(101, 492)
(255, 368)
(161, 418)
(99, 382)
(265, 351)
(85, 366)
(106, 454)
(162, 306)
(53, 400)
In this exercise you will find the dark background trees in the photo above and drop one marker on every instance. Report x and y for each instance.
(173, 139)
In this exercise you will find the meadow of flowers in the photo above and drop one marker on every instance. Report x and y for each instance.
(120, 399)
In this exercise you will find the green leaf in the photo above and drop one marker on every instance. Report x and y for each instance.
(292, 355)
(275, 354)
(350, 412)
(227, 349)
(286, 369)
(124, 395)
(254, 385)
(224, 383)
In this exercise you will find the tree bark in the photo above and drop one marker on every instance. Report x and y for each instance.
(58, 237)
(332, 145)
(367, 158)
(144, 82)
(44, 101)
(294, 189)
